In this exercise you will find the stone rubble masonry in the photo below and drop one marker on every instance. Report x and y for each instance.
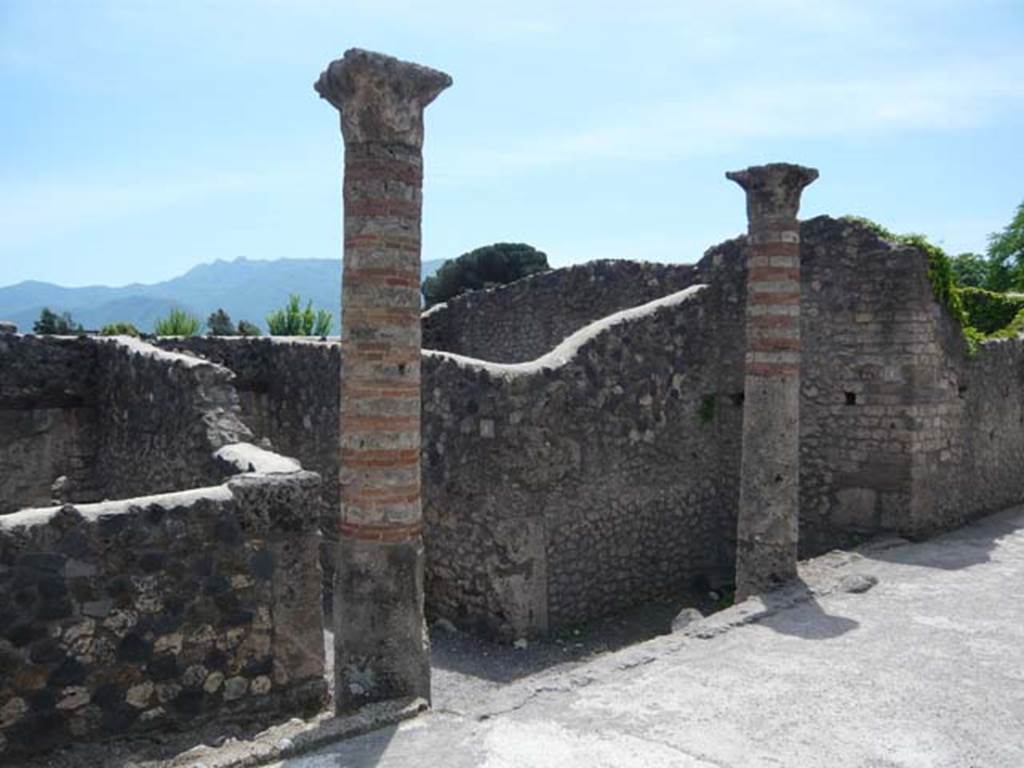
(769, 516)
(521, 321)
(571, 493)
(288, 395)
(114, 417)
(381, 646)
(160, 612)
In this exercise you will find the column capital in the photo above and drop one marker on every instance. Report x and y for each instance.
(773, 190)
(381, 98)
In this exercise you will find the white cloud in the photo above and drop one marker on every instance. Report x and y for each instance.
(958, 94)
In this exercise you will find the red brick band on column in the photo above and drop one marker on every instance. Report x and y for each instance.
(380, 388)
(382, 533)
(773, 299)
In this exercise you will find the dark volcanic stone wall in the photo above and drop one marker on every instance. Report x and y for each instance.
(523, 320)
(288, 394)
(561, 490)
(162, 417)
(48, 420)
(590, 479)
(39, 445)
(159, 613)
(114, 417)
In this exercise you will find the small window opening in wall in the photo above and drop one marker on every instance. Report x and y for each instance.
(851, 398)
(961, 390)
(736, 399)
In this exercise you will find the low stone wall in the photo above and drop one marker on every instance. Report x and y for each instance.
(523, 320)
(162, 416)
(47, 419)
(287, 393)
(108, 418)
(38, 446)
(160, 612)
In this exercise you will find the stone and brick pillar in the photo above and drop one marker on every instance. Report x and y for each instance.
(769, 513)
(382, 650)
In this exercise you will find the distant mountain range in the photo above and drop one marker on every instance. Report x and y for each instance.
(246, 290)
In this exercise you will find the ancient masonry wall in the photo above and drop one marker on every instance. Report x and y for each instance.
(47, 420)
(288, 394)
(868, 320)
(159, 612)
(152, 612)
(523, 320)
(559, 491)
(163, 416)
(114, 417)
(577, 484)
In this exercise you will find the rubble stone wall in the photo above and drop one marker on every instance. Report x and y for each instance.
(288, 394)
(523, 320)
(157, 613)
(972, 441)
(162, 416)
(48, 422)
(570, 486)
(580, 483)
(115, 417)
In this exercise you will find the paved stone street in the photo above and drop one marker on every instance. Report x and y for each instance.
(924, 670)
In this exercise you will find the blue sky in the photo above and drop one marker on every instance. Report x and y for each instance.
(141, 138)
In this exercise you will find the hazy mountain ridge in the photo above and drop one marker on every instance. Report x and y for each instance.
(245, 289)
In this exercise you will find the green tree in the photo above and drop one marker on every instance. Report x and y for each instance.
(245, 328)
(970, 270)
(220, 324)
(293, 320)
(483, 267)
(1006, 255)
(119, 329)
(52, 324)
(177, 323)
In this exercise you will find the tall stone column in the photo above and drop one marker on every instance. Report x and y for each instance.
(769, 514)
(381, 646)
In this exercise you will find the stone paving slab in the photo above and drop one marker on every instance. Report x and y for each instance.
(924, 669)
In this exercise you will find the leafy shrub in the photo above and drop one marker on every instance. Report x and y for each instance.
(1006, 255)
(52, 324)
(220, 324)
(970, 270)
(177, 323)
(988, 311)
(490, 265)
(292, 320)
(119, 329)
(245, 328)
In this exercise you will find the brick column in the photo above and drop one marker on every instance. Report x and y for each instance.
(381, 646)
(769, 514)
